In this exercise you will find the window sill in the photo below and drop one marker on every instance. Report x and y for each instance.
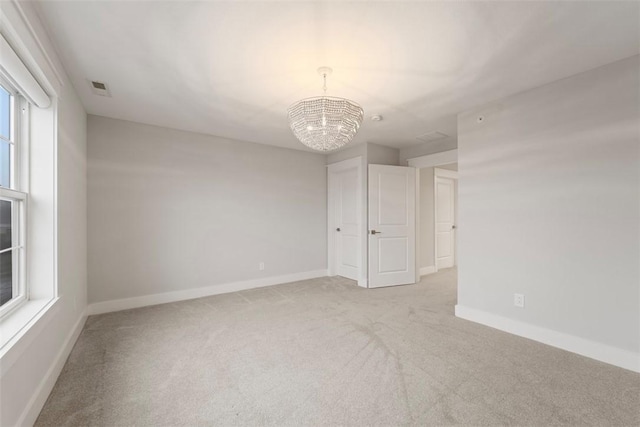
(21, 326)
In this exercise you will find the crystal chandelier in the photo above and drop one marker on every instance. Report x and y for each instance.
(325, 123)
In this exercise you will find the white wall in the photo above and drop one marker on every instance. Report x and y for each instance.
(172, 210)
(450, 167)
(72, 200)
(382, 155)
(370, 153)
(31, 367)
(549, 207)
(445, 144)
(348, 153)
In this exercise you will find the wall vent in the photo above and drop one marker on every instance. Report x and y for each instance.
(99, 88)
(431, 136)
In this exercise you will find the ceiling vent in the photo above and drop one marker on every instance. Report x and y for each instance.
(431, 136)
(99, 88)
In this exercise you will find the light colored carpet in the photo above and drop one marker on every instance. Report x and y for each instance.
(325, 352)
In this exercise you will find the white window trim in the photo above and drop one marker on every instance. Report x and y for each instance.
(19, 329)
(19, 26)
(18, 247)
(18, 194)
(20, 324)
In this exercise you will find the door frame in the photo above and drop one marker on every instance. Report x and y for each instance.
(453, 175)
(428, 161)
(332, 170)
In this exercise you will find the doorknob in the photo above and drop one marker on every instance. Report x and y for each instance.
(375, 232)
(453, 227)
(338, 229)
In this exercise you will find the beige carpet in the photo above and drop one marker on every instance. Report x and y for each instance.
(325, 352)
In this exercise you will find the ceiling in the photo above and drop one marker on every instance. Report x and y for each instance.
(232, 68)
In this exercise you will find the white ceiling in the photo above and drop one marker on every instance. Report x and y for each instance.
(232, 68)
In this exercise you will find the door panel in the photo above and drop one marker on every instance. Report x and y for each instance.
(394, 209)
(393, 256)
(392, 204)
(348, 182)
(445, 217)
(349, 250)
(346, 220)
(444, 245)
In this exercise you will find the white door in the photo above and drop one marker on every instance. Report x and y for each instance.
(346, 221)
(445, 222)
(392, 225)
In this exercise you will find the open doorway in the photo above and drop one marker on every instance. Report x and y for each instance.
(438, 218)
(402, 229)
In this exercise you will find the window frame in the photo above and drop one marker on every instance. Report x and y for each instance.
(18, 195)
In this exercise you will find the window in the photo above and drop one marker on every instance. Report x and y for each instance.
(13, 200)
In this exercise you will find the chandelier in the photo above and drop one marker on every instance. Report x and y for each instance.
(325, 123)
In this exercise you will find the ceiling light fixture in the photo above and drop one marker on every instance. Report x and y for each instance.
(325, 123)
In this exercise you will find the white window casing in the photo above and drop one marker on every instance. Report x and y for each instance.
(14, 70)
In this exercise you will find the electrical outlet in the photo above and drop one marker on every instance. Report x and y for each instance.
(518, 300)
(261, 266)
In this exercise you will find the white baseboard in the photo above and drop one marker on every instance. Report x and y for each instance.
(592, 349)
(427, 270)
(39, 397)
(224, 288)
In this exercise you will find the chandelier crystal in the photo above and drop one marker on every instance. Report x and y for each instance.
(325, 123)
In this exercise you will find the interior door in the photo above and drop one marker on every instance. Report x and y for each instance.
(347, 230)
(445, 222)
(392, 225)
